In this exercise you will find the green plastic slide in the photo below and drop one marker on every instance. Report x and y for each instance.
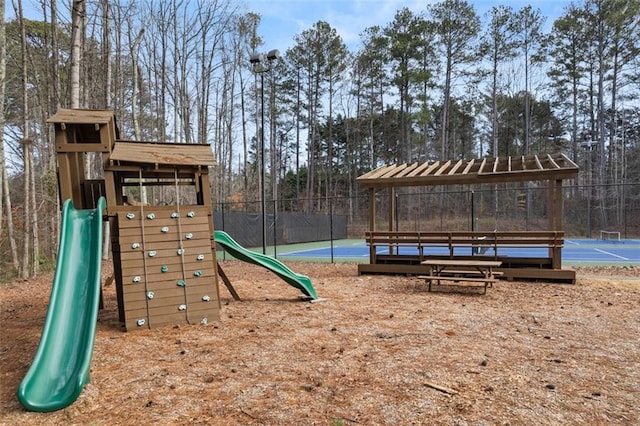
(60, 367)
(301, 282)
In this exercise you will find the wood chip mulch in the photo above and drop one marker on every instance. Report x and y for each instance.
(376, 350)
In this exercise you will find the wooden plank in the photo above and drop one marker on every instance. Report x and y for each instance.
(154, 226)
(162, 299)
(418, 169)
(374, 174)
(202, 235)
(457, 279)
(130, 289)
(173, 233)
(566, 160)
(154, 275)
(538, 163)
(82, 116)
(406, 170)
(172, 310)
(173, 262)
(393, 170)
(142, 296)
(132, 318)
(455, 167)
(163, 153)
(161, 219)
(430, 169)
(442, 168)
(482, 164)
(461, 262)
(467, 272)
(468, 167)
(166, 320)
(127, 252)
(552, 161)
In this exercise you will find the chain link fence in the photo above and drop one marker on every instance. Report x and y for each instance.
(588, 211)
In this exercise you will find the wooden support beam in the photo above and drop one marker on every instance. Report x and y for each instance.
(227, 282)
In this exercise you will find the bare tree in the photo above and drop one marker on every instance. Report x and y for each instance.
(5, 200)
(77, 13)
(26, 144)
(135, 107)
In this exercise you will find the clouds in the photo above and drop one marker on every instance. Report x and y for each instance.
(282, 20)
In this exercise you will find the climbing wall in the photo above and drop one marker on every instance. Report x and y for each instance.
(167, 265)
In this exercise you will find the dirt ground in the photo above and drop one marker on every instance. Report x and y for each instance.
(376, 350)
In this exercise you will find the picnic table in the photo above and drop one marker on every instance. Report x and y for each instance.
(461, 270)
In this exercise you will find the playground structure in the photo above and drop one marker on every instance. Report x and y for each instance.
(163, 244)
(165, 268)
(400, 252)
(164, 252)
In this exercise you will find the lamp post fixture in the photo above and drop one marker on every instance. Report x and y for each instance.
(262, 63)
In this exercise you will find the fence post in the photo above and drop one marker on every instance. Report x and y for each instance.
(331, 225)
(224, 252)
(275, 229)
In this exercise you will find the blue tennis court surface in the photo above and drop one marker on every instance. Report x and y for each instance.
(574, 251)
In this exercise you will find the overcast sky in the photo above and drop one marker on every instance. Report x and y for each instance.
(282, 20)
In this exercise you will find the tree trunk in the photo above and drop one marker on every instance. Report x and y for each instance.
(24, 267)
(35, 229)
(5, 199)
(106, 56)
(77, 13)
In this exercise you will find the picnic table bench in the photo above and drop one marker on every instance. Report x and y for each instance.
(461, 270)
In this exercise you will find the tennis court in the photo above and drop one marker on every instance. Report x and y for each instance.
(575, 251)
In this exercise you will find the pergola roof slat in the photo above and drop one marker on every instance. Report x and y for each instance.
(441, 169)
(552, 162)
(394, 171)
(374, 174)
(418, 169)
(468, 166)
(538, 163)
(455, 167)
(481, 169)
(406, 170)
(486, 170)
(431, 168)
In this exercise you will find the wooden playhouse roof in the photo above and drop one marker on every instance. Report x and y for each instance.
(163, 153)
(475, 171)
(81, 116)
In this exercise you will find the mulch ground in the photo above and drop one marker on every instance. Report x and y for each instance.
(376, 350)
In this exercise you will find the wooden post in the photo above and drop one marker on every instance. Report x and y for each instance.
(372, 209)
(555, 209)
(392, 208)
(372, 223)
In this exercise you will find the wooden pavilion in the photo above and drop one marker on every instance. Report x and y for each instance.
(385, 246)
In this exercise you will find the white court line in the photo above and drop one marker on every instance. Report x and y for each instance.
(573, 242)
(611, 254)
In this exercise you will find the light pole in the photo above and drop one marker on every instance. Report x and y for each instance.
(262, 64)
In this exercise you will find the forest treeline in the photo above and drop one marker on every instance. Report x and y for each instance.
(442, 82)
